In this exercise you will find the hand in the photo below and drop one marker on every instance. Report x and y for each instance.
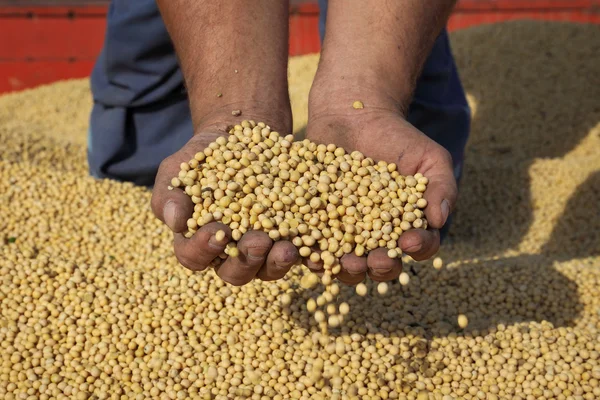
(258, 257)
(380, 131)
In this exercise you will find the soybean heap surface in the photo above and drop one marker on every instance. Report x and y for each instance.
(94, 305)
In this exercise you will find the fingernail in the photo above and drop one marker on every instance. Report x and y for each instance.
(353, 272)
(169, 214)
(414, 248)
(381, 271)
(256, 253)
(445, 210)
(214, 243)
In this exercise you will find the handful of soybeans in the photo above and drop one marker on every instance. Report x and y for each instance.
(326, 201)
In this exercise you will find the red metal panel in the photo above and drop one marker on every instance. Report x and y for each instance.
(20, 75)
(304, 30)
(52, 3)
(488, 5)
(61, 11)
(461, 20)
(51, 38)
(46, 40)
(306, 7)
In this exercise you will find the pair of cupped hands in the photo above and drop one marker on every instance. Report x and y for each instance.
(379, 131)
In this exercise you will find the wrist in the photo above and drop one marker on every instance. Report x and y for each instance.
(224, 115)
(340, 77)
(334, 91)
(254, 93)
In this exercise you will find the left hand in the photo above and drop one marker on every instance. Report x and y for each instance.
(382, 133)
(259, 256)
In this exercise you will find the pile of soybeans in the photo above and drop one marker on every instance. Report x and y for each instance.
(93, 304)
(327, 202)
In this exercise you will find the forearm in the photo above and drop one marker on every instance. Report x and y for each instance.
(233, 55)
(379, 46)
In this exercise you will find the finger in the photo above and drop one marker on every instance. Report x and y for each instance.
(254, 247)
(420, 244)
(354, 269)
(314, 266)
(381, 267)
(197, 252)
(442, 191)
(173, 207)
(281, 258)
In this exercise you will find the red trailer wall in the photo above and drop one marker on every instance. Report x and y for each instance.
(45, 41)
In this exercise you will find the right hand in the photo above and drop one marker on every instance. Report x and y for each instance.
(381, 132)
(259, 257)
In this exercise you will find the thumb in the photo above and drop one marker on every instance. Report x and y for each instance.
(173, 207)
